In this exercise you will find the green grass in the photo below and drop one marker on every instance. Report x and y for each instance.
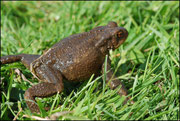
(148, 63)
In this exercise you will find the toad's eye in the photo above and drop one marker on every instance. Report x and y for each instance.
(120, 34)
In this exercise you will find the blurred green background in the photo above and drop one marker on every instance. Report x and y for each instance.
(148, 61)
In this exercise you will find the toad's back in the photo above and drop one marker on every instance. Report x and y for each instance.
(76, 57)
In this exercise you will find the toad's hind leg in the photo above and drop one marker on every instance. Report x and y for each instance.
(26, 59)
(51, 86)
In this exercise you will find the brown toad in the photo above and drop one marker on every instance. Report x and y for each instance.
(74, 58)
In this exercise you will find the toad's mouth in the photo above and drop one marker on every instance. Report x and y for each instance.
(119, 43)
(115, 44)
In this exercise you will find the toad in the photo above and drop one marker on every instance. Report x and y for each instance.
(74, 58)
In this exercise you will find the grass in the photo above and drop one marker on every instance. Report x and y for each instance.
(147, 63)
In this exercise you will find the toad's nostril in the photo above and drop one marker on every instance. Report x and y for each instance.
(125, 32)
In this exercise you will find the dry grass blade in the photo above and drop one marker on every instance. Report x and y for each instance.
(22, 76)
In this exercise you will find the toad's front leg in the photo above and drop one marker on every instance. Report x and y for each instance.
(113, 84)
(53, 84)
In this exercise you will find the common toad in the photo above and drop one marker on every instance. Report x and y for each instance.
(74, 58)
